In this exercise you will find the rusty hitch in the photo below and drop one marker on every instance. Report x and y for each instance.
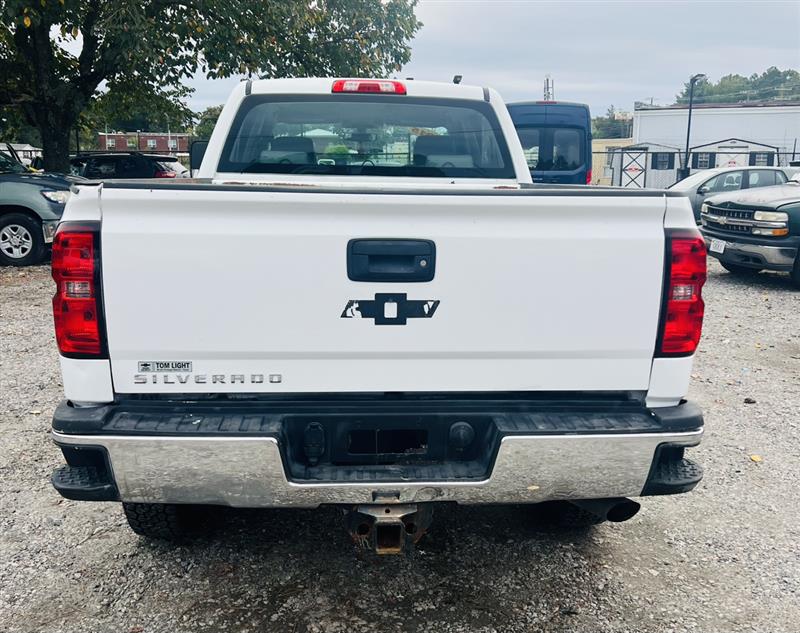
(389, 529)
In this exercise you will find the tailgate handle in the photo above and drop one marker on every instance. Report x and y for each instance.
(391, 260)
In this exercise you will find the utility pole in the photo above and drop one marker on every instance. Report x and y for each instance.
(694, 79)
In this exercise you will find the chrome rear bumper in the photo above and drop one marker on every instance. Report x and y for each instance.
(745, 253)
(249, 471)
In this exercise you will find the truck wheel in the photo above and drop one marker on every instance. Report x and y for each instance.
(164, 521)
(740, 271)
(21, 240)
(565, 516)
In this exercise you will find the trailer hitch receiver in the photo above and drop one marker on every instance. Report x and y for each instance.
(390, 528)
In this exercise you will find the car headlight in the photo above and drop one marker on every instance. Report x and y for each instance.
(59, 197)
(771, 216)
(704, 208)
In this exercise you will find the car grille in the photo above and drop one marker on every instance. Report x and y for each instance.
(729, 220)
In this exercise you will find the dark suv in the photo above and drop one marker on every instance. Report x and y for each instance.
(753, 230)
(102, 166)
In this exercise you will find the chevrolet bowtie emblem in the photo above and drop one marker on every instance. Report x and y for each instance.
(389, 309)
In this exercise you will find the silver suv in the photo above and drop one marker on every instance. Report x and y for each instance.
(709, 182)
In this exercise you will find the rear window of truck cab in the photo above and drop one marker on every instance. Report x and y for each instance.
(354, 134)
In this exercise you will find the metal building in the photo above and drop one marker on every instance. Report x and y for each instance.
(768, 127)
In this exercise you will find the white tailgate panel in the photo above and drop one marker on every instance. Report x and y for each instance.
(536, 293)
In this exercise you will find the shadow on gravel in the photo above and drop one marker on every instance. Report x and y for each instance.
(757, 281)
(287, 569)
(325, 527)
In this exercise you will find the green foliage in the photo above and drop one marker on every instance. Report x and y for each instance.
(771, 85)
(14, 128)
(125, 106)
(337, 149)
(54, 54)
(610, 127)
(206, 122)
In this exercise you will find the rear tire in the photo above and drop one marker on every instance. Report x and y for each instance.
(740, 271)
(163, 521)
(564, 515)
(21, 240)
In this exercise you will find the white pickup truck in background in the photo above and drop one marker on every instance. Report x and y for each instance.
(363, 301)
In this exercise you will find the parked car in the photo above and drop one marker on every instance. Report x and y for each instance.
(379, 333)
(750, 231)
(556, 138)
(30, 207)
(709, 182)
(102, 166)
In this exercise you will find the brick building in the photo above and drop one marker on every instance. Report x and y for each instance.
(168, 143)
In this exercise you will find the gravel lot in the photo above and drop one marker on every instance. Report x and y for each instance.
(723, 558)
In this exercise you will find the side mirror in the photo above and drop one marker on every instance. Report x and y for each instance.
(702, 190)
(196, 153)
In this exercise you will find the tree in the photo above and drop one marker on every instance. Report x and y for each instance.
(611, 126)
(129, 107)
(771, 85)
(55, 54)
(206, 121)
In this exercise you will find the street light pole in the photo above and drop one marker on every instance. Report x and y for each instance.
(694, 79)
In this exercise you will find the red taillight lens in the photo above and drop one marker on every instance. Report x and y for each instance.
(682, 317)
(588, 176)
(373, 86)
(164, 174)
(76, 305)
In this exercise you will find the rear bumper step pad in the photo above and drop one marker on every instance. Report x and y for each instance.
(673, 476)
(85, 483)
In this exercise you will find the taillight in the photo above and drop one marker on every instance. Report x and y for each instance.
(373, 86)
(76, 303)
(589, 176)
(164, 174)
(682, 310)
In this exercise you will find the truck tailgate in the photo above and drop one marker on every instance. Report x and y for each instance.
(225, 290)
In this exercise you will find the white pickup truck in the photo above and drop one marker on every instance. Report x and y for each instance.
(363, 301)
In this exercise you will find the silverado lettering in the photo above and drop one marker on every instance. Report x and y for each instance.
(171, 379)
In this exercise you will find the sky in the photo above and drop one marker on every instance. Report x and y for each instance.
(597, 52)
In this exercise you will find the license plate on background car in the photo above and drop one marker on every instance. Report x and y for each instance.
(717, 246)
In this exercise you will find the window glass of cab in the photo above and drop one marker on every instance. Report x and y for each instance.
(762, 178)
(356, 134)
(729, 181)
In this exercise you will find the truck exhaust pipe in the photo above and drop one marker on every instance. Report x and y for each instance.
(616, 510)
(388, 529)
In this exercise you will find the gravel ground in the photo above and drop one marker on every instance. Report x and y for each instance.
(723, 558)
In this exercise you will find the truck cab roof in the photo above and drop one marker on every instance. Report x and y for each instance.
(321, 86)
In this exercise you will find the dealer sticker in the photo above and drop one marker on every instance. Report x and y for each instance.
(165, 365)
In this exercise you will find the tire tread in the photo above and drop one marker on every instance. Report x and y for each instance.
(161, 521)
